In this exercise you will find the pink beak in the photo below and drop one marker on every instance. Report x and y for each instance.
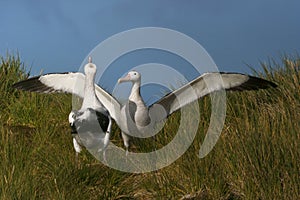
(124, 79)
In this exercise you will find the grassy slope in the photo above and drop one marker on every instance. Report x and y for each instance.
(256, 157)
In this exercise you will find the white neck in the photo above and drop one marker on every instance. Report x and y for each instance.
(135, 94)
(89, 100)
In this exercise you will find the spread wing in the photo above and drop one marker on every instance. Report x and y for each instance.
(68, 83)
(204, 85)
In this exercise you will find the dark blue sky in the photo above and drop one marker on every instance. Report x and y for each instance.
(57, 35)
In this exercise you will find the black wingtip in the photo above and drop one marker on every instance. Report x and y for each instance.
(253, 83)
(272, 84)
(32, 85)
(26, 84)
(260, 83)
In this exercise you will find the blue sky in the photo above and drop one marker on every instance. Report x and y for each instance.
(57, 35)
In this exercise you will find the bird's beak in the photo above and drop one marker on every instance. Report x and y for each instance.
(90, 59)
(124, 79)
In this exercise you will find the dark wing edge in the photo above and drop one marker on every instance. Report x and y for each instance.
(34, 84)
(253, 83)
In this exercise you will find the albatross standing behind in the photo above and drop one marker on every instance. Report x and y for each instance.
(89, 123)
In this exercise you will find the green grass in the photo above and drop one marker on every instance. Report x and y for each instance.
(256, 157)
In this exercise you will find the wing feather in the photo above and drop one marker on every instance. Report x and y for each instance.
(69, 82)
(204, 85)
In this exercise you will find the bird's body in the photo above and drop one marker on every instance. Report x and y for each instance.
(91, 124)
(90, 128)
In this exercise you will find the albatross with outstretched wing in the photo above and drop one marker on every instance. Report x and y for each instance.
(137, 116)
(92, 121)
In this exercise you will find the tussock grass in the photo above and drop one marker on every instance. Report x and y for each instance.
(256, 157)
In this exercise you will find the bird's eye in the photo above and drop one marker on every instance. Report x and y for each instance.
(134, 73)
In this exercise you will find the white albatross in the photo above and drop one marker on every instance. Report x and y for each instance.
(135, 118)
(92, 120)
(138, 117)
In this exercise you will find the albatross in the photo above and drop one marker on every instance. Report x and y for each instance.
(138, 117)
(134, 117)
(91, 124)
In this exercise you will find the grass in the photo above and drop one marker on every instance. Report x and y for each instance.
(256, 157)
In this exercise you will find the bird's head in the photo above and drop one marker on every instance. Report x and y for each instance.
(132, 76)
(90, 68)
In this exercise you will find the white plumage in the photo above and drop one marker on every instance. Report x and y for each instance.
(91, 124)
